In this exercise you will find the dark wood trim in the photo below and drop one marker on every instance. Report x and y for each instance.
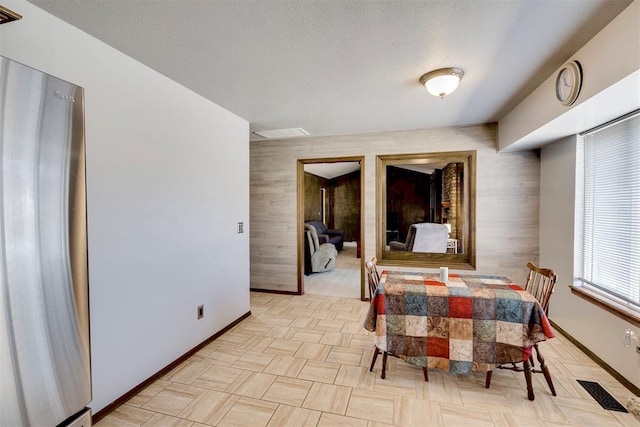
(617, 310)
(615, 374)
(137, 389)
(275, 291)
(300, 225)
(362, 231)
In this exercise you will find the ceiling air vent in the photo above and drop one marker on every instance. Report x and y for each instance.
(7, 15)
(282, 133)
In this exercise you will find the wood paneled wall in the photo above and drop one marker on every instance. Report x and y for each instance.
(313, 196)
(345, 205)
(408, 195)
(507, 201)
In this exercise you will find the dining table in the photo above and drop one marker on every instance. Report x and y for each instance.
(469, 322)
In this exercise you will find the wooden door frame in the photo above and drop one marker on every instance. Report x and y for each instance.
(300, 215)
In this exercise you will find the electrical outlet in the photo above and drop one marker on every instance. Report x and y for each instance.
(200, 311)
(241, 227)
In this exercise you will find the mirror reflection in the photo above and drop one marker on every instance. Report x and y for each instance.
(426, 209)
(423, 204)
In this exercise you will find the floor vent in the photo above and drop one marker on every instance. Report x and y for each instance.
(602, 396)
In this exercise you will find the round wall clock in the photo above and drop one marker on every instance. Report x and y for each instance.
(569, 82)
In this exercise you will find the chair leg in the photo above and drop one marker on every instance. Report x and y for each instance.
(487, 380)
(384, 365)
(527, 377)
(547, 376)
(545, 370)
(376, 352)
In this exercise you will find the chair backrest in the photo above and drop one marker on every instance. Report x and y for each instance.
(373, 277)
(430, 237)
(318, 225)
(411, 236)
(312, 238)
(540, 284)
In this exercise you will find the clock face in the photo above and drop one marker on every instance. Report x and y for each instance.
(564, 85)
(569, 82)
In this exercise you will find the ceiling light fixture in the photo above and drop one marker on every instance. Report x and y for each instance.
(443, 81)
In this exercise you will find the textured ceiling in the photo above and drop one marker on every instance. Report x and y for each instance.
(342, 67)
(331, 170)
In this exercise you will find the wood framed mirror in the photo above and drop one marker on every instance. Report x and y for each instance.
(426, 209)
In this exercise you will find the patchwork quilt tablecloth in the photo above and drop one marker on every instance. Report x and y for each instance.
(472, 322)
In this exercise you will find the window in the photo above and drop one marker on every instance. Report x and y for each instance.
(608, 214)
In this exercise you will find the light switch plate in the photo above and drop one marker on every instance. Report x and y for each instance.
(241, 227)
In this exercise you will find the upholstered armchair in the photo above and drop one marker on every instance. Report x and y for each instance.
(424, 237)
(328, 235)
(318, 257)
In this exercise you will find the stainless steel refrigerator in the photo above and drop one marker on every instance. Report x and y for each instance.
(45, 377)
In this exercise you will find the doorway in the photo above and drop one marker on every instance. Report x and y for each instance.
(327, 213)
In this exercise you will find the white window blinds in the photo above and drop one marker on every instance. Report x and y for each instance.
(608, 211)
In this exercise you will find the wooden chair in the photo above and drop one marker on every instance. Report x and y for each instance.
(373, 277)
(540, 283)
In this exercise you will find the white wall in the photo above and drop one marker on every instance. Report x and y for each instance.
(167, 181)
(507, 191)
(610, 87)
(600, 331)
